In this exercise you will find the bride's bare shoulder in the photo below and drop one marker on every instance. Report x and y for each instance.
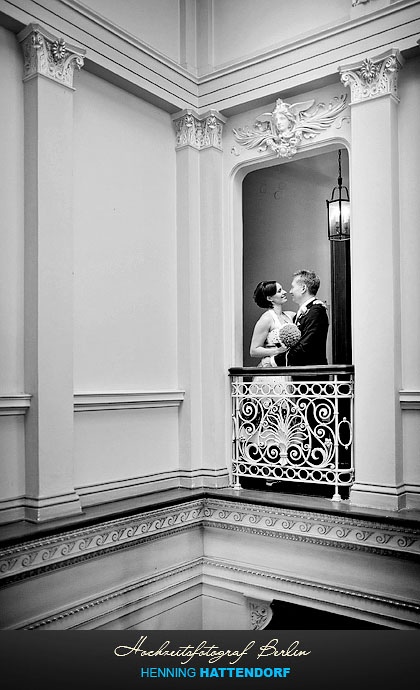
(290, 314)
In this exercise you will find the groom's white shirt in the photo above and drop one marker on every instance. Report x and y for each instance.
(302, 306)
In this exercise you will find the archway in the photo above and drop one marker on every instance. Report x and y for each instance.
(284, 229)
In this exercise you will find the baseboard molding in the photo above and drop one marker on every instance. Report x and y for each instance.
(39, 509)
(12, 509)
(377, 496)
(104, 492)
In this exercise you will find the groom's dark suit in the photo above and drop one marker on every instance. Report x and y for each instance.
(311, 348)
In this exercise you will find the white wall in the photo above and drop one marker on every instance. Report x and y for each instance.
(11, 214)
(244, 27)
(124, 280)
(155, 22)
(285, 228)
(409, 145)
(125, 243)
(12, 480)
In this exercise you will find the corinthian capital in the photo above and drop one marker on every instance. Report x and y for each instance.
(198, 131)
(374, 77)
(45, 54)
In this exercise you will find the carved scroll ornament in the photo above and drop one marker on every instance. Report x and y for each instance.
(199, 132)
(284, 129)
(372, 78)
(49, 56)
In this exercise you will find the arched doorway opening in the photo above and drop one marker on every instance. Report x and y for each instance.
(284, 230)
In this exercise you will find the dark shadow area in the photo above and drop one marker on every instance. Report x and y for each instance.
(293, 488)
(288, 616)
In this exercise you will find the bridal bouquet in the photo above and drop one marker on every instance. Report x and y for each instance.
(288, 335)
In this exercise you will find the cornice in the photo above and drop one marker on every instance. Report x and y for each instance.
(185, 569)
(114, 54)
(205, 569)
(36, 556)
(126, 400)
(276, 579)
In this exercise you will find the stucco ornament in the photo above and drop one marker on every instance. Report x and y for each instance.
(261, 614)
(284, 129)
(198, 131)
(372, 78)
(49, 56)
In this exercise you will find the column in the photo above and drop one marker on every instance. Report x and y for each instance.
(49, 65)
(203, 452)
(376, 279)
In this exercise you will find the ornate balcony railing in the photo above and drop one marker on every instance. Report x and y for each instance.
(293, 424)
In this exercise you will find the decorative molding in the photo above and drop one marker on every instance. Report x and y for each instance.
(330, 530)
(126, 400)
(66, 546)
(137, 593)
(32, 557)
(97, 494)
(46, 55)
(261, 614)
(410, 399)
(276, 582)
(15, 404)
(123, 59)
(372, 78)
(283, 130)
(198, 131)
(202, 570)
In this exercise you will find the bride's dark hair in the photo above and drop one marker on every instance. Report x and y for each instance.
(267, 288)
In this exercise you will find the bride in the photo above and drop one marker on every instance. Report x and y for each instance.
(263, 437)
(271, 296)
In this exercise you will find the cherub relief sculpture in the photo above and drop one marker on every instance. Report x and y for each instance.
(288, 124)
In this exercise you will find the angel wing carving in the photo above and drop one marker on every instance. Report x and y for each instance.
(283, 129)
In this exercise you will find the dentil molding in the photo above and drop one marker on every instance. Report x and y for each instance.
(372, 78)
(49, 56)
(198, 131)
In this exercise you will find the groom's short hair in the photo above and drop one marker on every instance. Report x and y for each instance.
(310, 279)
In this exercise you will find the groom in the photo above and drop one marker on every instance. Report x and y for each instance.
(311, 319)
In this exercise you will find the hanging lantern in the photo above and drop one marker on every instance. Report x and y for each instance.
(338, 209)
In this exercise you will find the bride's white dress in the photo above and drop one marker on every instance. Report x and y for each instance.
(263, 438)
(267, 382)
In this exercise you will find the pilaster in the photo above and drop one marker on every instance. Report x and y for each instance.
(49, 65)
(376, 279)
(200, 307)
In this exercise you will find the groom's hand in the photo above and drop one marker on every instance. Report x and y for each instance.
(280, 350)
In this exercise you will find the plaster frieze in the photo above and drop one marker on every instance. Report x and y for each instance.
(283, 130)
(198, 131)
(372, 78)
(24, 560)
(49, 56)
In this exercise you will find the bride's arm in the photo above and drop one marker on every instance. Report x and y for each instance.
(257, 348)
